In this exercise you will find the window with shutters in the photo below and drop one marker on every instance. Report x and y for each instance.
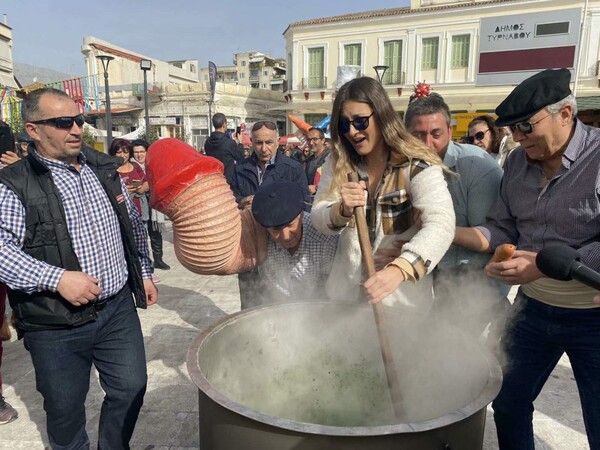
(430, 48)
(316, 68)
(352, 55)
(392, 57)
(459, 58)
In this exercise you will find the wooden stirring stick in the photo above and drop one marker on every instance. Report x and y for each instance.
(386, 351)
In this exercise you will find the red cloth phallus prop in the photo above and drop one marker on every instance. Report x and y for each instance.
(171, 166)
(210, 234)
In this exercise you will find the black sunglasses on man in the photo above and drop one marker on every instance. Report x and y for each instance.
(64, 123)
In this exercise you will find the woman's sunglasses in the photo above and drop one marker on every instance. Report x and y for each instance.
(476, 137)
(64, 123)
(360, 123)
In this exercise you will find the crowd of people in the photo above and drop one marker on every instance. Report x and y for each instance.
(435, 209)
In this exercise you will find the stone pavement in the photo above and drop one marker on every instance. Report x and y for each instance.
(169, 419)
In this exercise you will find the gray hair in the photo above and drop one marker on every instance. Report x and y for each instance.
(30, 108)
(432, 104)
(556, 107)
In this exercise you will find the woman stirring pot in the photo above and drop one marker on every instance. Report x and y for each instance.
(402, 186)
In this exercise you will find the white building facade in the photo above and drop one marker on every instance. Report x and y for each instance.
(472, 53)
(253, 69)
(7, 78)
(179, 102)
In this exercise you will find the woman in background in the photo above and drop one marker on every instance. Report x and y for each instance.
(484, 133)
(496, 141)
(157, 219)
(399, 176)
(132, 175)
(134, 178)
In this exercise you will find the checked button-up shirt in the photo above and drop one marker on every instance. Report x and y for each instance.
(93, 227)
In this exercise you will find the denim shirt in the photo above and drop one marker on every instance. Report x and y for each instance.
(474, 191)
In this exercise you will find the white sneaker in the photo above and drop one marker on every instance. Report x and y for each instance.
(155, 279)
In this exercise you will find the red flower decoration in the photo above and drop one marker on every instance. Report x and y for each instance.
(422, 89)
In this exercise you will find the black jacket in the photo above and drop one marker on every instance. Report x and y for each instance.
(47, 239)
(226, 150)
(245, 176)
(313, 163)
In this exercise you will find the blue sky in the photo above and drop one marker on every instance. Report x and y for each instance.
(50, 33)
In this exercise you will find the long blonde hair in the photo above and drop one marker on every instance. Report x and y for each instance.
(399, 142)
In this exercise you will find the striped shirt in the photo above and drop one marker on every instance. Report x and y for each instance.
(93, 227)
(533, 212)
(300, 276)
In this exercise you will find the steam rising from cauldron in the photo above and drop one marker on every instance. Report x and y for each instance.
(327, 369)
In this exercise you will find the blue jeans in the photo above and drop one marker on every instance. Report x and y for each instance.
(540, 334)
(63, 359)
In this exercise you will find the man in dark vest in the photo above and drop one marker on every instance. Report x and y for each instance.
(73, 252)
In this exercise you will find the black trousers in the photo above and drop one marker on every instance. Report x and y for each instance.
(156, 243)
(251, 289)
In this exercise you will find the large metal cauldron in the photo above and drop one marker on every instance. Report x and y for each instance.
(310, 376)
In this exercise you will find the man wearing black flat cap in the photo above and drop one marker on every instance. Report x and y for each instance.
(299, 258)
(549, 196)
(265, 166)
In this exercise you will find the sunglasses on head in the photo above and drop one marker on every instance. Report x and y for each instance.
(476, 137)
(264, 123)
(525, 127)
(64, 123)
(360, 123)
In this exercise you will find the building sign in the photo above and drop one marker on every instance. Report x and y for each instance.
(512, 48)
(163, 120)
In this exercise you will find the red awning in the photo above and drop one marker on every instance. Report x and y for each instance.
(289, 139)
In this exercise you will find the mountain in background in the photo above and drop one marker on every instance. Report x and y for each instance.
(27, 74)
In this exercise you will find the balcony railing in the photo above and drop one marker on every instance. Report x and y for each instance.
(153, 89)
(319, 82)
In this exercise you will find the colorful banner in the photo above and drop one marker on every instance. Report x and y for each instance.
(10, 106)
(84, 92)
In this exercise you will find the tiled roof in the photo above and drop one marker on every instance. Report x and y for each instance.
(388, 12)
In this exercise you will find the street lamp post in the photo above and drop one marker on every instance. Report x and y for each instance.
(105, 62)
(146, 65)
(210, 103)
(380, 71)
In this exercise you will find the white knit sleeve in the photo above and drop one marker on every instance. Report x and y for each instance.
(429, 194)
(319, 214)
